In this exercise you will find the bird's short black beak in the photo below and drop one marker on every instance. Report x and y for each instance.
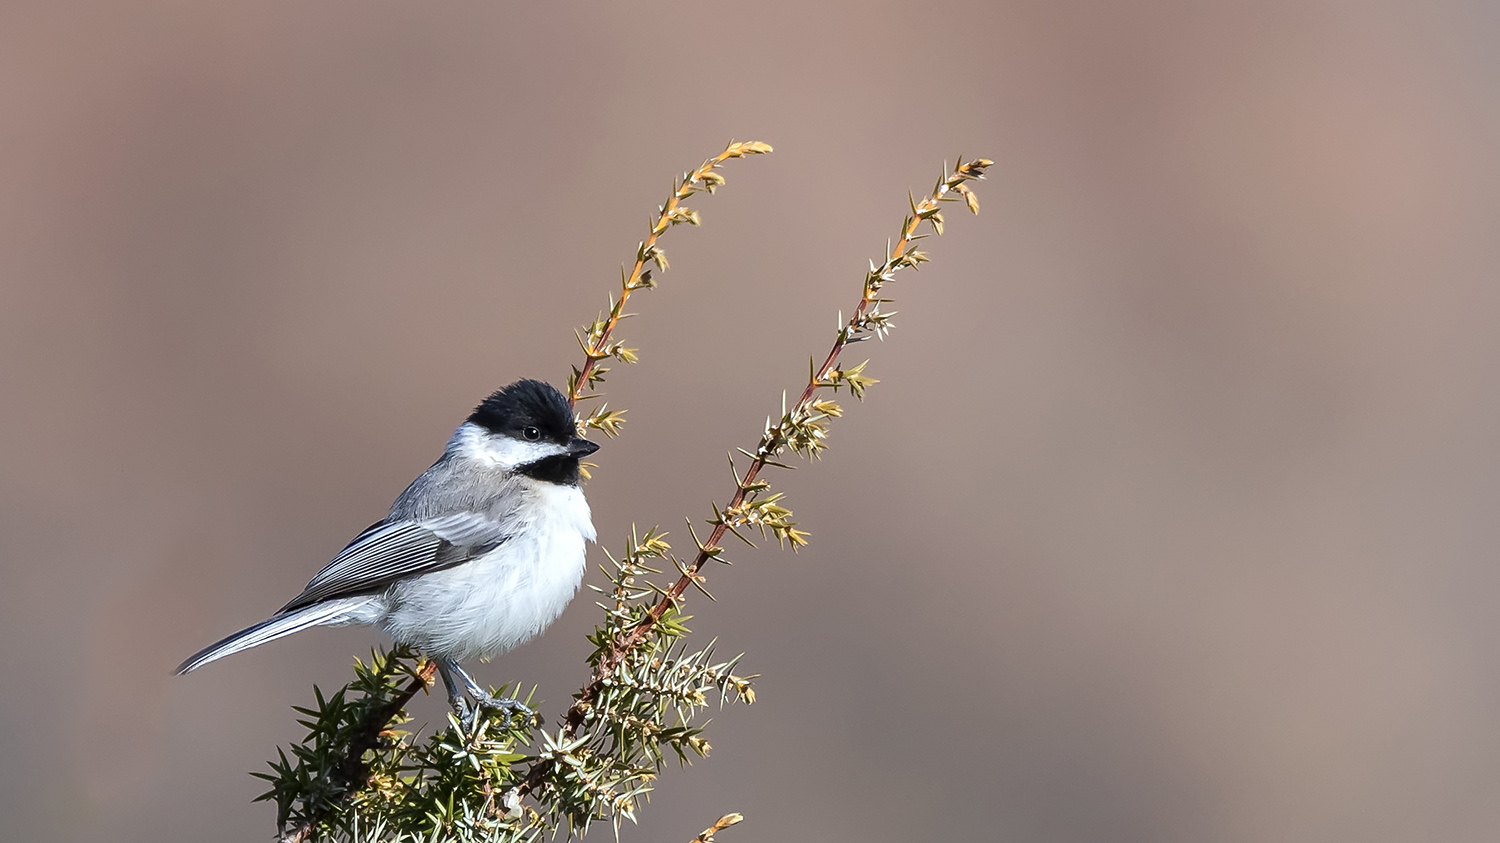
(581, 447)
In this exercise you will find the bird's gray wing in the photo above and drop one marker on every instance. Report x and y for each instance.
(391, 550)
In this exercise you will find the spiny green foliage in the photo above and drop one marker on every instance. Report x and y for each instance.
(343, 778)
(645, 709)
(357, 776)
(616, 737)
(465, 784)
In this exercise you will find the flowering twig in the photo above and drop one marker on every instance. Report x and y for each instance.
(595, 339)
(802, 428)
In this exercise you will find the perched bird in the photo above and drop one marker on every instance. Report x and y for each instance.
(480, 553)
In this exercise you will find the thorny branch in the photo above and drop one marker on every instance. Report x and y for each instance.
(800, 428)
(595, 340)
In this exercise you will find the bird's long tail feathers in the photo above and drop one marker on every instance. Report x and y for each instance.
(333, 612)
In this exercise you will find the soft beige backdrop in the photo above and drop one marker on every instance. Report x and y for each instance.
(1173, 518)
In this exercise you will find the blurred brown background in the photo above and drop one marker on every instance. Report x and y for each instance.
(1172, 519)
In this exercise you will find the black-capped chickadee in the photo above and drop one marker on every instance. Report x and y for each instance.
(480, 553)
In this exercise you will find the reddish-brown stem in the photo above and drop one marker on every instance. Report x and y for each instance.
(595, 350)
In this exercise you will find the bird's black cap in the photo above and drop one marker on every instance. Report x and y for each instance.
(523, 404)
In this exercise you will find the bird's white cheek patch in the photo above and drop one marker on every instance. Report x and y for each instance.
(477, 444)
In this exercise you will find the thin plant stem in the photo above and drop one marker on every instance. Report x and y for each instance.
(595, 341)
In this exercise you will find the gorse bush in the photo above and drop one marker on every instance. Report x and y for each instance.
(360, 774)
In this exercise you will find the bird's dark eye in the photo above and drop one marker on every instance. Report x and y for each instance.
(531, 433)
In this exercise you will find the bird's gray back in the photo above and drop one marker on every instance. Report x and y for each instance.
(453, 486)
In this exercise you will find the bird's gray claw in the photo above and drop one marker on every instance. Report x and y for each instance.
(509, 706)
(453, 674)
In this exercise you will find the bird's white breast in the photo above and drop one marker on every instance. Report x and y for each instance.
(493, 603)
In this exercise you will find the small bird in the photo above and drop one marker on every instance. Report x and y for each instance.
(479, 554)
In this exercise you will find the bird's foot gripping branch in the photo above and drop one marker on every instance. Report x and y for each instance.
(360, 774)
